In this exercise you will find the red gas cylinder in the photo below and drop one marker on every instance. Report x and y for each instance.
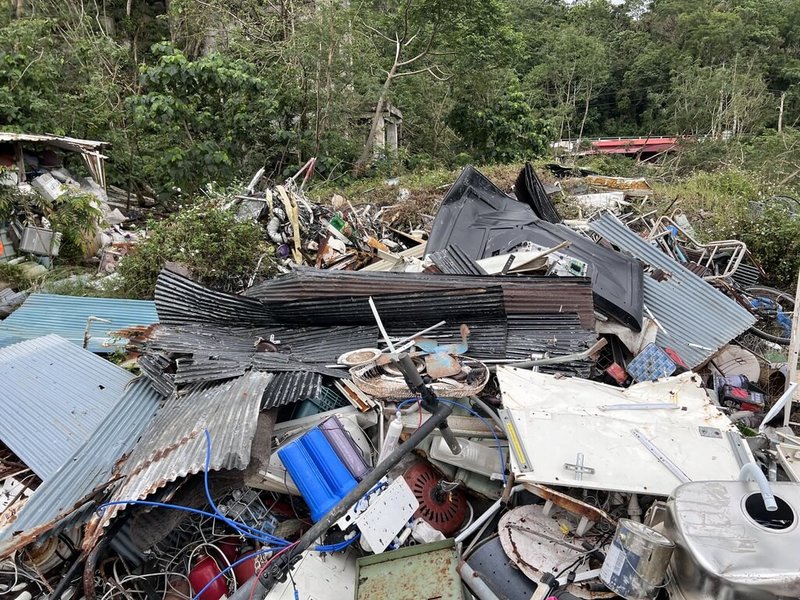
(247, 569)
(204, 570)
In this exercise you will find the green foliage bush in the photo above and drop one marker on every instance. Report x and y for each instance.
(221, 252)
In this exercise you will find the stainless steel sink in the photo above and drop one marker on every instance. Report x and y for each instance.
(728, 546)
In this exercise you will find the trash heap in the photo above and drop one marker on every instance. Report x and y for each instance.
(509, 405)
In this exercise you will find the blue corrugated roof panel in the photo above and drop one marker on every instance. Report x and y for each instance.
(53, 396)
(695, 319)
(66, 316)
(58, 499)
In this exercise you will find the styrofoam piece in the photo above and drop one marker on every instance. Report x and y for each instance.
(556, 419)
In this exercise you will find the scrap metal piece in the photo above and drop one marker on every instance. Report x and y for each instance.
(173, 445)
(696, 319)
(54, 395)
(62, 499)
(522, 295)
(483, 221)
(554, 419)
(286, 388)
(579, 467)
(661, 457)
(66, 316)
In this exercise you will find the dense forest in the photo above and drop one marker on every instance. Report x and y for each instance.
(192, 91)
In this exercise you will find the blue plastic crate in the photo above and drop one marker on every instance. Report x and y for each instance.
(650, 364)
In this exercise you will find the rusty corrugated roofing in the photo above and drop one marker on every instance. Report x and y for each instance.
(173, 445)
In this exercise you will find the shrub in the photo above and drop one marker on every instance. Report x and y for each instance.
(221, 252)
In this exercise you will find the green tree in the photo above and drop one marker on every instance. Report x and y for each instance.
(198, 118)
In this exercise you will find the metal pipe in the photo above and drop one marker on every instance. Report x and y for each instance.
(283, 562)
(556, 359)
(751, 472)
(488, 514)
(475, 583)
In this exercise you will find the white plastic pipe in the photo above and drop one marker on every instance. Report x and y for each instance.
(751, 472)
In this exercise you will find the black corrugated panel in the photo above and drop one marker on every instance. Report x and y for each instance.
(529, 189)
(324, 344)
(196, 369)
(155, 366)
(419, 307)
(521, 294)
(556, 334)
(286, 388)
(276, 362)
(487, 336)
(454, 261)
(180, 301)
(207, 340)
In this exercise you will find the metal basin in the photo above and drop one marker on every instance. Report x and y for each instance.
(728, 546)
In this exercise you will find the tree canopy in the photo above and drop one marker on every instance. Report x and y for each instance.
(193, 91)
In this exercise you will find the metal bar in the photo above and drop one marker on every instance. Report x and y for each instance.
(514, 442)
(474, 582)
(661, 457)
(651, 406)
(380, 325)
(738, 448)
(556, 359)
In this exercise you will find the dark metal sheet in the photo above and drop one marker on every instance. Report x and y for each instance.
(529, 189)
(454, 261)
(521, 294)
(286, 388)
(179, 301)
(483, 221)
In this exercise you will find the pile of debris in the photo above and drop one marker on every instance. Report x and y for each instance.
(508, 406)
(35, 172)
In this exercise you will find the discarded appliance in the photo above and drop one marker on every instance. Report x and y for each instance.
(572, 432)
(728, 544)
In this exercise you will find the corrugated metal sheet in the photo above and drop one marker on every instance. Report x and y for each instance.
(286, 388)
(57, 502)
(454, 261)
(275, 362)
(521, 294)
(154, 366)
(209, 339)
(173, 445)
(66, 316)
(53, 395)
(197, 369)
(324, 344)
(423, 307)
(557, 335)
(180, 301)
(697, 319)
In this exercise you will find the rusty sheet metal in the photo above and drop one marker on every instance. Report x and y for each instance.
(59, 500)
(180, 301)
(695, 319)
(556, 335)
(155, 367)
(521, 294)
(54, 394)
(173, 445)
(324, 344)
(569, 503)
(198, 369)
(481, 308)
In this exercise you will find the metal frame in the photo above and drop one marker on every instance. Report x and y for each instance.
(708, 252)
